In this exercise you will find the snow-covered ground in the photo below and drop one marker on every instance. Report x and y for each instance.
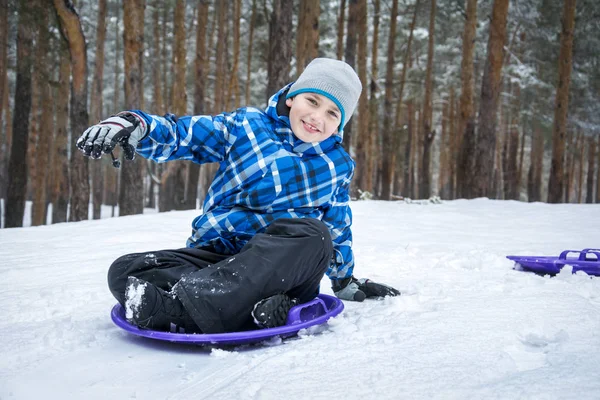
(467, 326)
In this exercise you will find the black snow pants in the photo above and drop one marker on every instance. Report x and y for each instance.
(220, 291)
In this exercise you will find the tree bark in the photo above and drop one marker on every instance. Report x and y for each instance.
(362, 144)
(399, 138)
(466, 121)
(280, 46)
(389, 157)
(4, 145)
(17, 165)
(96, 106)
(118, 85)
(340, 28)
(233, 87)
(580, 167)
(158, 101)
(72, 31)
(408, 181)
(307, 45)
(428, 131)
(482, 176)
(42, 150)
(60, 164)
(511, 191)
(249, 55)
(598, 174)
(193, 169)
(373, 157)
(446, 148)
(173, 179)
(589, 193)
(534, 176)
(131, 193)
(350, 58)
(556, 182)
(36, 109)
(568, 173)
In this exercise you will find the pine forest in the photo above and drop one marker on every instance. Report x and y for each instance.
(461, 98)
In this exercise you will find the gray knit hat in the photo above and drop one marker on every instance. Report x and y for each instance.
(333, 79)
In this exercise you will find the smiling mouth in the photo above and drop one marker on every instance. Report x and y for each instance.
(311, 128)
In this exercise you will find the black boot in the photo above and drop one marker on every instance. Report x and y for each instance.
(150, 307)
(273, 311)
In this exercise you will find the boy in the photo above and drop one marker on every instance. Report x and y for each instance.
(275, 219)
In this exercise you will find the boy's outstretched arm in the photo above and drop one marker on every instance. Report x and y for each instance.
(338, 219)
(201, 139)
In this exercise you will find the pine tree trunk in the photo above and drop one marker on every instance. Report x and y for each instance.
(512, 169)
(280, 46)
(118, 85)
(534, 177)
(591, 146)
(482, 176)
(408, 154)
(4, 145)
(60, 164)
(158, 106)
(373, 155)
(165, 58)
(221, 59)
(556, 182)
(207, 172)
(193, 172)
(452, 145)
(568, 176)
(173, 179)
(131, 193)
(400, 137)
(112, 175)
(72, 30)
(233, 86)
(42, 156)
(520, 166)
(466, 121)
(96, 105)
(36, 109)
(311, 23)
(301, 38)
(417, 144)
(350, 58)
(389, 157)
(340, 28)
(249, 47)
(580, 168)
(444, 154)
(362, 142)
(428, 131)
(17, 166)
(598, 174)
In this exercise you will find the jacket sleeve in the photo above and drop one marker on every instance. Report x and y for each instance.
(201, 139)
(338, 218)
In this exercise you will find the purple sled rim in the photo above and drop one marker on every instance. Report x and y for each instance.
(302, 316)
(552, 265)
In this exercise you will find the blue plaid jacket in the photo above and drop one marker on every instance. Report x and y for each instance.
(265, 173)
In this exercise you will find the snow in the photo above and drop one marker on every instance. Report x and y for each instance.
(467, 326)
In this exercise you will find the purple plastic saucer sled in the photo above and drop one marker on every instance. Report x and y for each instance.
(315, 312)
(586, 260)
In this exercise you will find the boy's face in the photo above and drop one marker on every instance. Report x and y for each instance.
(313, 117)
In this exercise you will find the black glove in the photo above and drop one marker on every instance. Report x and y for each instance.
(358, 289)
(125, 129)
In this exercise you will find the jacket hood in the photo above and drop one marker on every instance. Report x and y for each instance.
(279, 111)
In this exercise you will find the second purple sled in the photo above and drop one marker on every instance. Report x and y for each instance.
(586, 260)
